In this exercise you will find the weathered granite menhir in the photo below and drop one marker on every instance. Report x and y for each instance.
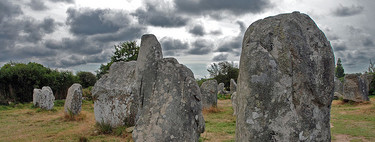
(286, 81)
(355, 88)
(209, 93)
(113, 94)
(43, 98)
(73, 101)
(170, 107)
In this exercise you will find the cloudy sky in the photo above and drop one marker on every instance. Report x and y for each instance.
(79, 35)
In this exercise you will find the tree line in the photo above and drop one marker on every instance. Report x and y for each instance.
(18, 80)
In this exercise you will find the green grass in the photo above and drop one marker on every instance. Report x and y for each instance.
(23, 122)
(223, 96)
(355, 120)
(59, 103)
(219, 125)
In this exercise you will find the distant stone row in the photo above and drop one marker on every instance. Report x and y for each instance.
(355, 87)
(210, 89)
(44, 99)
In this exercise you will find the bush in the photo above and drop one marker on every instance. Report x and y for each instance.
(103, 128)
(223, 72)
(86, 79)
(86, 92)
(200, 81)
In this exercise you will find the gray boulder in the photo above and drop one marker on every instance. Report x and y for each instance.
(43, 98)
(339, 88)
(233, 98)
(221, 89)
(209, 93)
(169, 97)
(355, 88)
(286, 82)
(73, 101)
(113, 95)
(367, 78)
(233, 86)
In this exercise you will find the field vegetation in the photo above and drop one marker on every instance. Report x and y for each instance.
(350, 122)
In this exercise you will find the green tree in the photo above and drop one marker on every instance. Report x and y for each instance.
(127, 51)
(86, 79)
(223, 72)
(339, 71)
(18, 81)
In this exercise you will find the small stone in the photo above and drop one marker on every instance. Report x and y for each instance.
(73, 101)
(43, 98)
(221, 89)
(209, 93)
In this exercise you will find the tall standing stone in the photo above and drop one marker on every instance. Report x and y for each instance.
(209, 93)
(286, 82)
(170, 106)
(355, 88)
(73, 101)
(114, 95)
(43, 98)
(233, 86)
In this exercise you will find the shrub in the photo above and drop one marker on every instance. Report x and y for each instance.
(103, 128)
(86, 92)
(18, 80)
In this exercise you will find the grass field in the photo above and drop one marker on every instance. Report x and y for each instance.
(350, 122)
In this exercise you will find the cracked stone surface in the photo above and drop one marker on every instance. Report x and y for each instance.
(73, 101)
(114, 95)
(209, 93)
(286, 81)
(355, 88)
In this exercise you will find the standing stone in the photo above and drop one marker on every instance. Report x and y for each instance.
(43, 98)
(209, 93)
(367, 78)
(233, 86)
(286, 81)
(233, 98)
(73, 101)
(170, 107)
(339, 88)
(221, 89)
(113, 95)
(355, 88)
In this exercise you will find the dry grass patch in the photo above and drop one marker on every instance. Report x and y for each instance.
(71, 117)
(211, 110)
